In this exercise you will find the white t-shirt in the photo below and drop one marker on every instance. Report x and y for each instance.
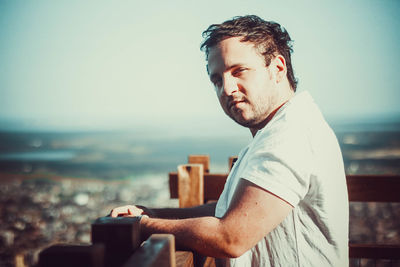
(296, 156)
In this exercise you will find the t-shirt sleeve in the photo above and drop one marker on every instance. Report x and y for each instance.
(281, 165)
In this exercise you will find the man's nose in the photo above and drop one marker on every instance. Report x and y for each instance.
(230, 86)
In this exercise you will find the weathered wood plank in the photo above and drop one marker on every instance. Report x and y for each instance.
(190, 185)
(184, 258)
(213, 185)
(374, 251)
(63, 255)
(158, 250)
(121, 237)
(203, 261)
(200, 159)
(364, 188)
(374, 188)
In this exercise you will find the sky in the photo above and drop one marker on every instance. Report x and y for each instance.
(84, 65)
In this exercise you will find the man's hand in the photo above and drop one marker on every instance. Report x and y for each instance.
(131, 211)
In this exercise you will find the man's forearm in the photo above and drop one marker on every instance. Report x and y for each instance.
(184, 213)
(205, 235)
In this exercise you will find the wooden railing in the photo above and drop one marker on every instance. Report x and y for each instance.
(116, 242)
(207, 186)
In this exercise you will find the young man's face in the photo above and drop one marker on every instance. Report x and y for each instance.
(246, 88)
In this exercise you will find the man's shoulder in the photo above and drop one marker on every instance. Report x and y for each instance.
(294, 128)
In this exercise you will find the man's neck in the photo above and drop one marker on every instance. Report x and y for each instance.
(264, 123)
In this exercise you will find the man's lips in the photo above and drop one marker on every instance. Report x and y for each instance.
(235, 103)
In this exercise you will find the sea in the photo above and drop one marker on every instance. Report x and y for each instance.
(367, 148)
(108, 155)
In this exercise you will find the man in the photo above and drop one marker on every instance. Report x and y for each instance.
(285, 200)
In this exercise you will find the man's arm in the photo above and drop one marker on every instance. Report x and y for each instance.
(184, 213)
(253, 213)
(165, 213)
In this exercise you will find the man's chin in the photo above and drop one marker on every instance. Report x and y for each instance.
(242, 120)
(248, 123)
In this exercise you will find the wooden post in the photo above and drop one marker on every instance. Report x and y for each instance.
(72, 255)
(184, 258)
(232, 161)
(200, 159)
(213, 185)
(19, 260)
(121, 237)
(190, 185)
(157, 251)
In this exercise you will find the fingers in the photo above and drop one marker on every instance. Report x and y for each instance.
(129, 210)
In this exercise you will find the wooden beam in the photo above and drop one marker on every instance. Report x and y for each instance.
(64, 255)
(200, 159)
(374, 188)
(121, 237)
(364, 188)
(374, 251)
(190, 185)
(184, 258)
(158, 250)
(213, 185)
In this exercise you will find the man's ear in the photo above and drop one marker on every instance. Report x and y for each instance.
(280, 69)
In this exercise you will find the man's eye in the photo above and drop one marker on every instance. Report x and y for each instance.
(238, 71)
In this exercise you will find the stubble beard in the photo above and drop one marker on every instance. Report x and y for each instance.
(256, 117)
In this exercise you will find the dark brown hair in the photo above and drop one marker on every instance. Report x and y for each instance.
(269, 37)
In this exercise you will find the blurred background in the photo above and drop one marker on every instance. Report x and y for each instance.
(100, 100)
